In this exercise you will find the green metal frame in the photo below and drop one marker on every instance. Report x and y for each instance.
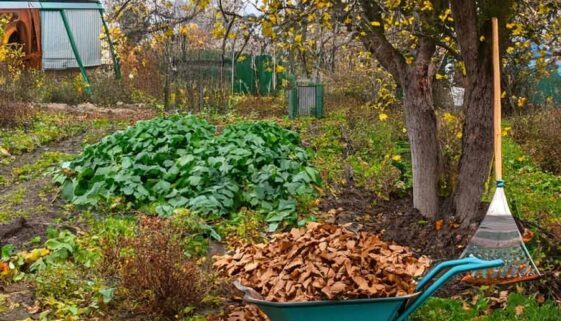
(85, 77)
(72, 40)
(293, 103)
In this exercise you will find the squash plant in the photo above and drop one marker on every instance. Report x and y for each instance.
(182, 162)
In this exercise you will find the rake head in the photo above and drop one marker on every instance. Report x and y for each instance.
(518, 266)
(498, 237)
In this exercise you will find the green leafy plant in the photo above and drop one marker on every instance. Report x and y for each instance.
(180, 162)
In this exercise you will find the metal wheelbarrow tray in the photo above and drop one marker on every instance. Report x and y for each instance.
(379, 309)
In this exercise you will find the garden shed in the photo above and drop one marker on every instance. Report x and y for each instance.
(58, 35)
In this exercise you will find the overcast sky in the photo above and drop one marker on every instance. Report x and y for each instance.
(249, 8)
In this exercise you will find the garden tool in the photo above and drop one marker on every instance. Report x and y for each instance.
(498, 236)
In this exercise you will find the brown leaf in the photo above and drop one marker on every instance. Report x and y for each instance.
(438, 225)
(251, 266)
(519, 310)
(324, 261)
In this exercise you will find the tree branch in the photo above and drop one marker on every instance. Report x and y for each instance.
(377, 43)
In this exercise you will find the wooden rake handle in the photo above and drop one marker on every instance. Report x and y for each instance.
(497, 102)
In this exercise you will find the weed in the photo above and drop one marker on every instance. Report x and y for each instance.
(69, 292)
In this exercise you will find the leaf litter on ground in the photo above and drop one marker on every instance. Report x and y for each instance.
(324, 262)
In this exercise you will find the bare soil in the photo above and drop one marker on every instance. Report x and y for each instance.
(399, 222)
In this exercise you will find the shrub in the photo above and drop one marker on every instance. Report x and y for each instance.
(260, 107)
(178, 162)
(15, 114)
(155, 273)
(538, 134)
(450, 142)
(107, 91)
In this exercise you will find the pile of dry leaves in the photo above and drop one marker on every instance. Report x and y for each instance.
(324, 261)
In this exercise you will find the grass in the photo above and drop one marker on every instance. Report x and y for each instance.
(517, 308)
(535, 194)
(47, 160)
(8, 202)
(45, 128)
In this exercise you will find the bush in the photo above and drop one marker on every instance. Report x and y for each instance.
(15, 114)
(538, 134)
(260, 107)
(156, 274)
(450, 142)
(107, 91)
(178, 162)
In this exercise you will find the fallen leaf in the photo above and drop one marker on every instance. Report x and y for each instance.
(438, 225)
(324, 261)
(519, 310)
(527, 236)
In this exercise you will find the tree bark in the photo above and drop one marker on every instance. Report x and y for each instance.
(477, 140)
(422, 130)
(477, 145)
(416, 81)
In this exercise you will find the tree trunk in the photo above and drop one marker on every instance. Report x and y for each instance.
(422, 133)
(477, 143)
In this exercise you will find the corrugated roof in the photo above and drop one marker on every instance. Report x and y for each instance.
(50, 4)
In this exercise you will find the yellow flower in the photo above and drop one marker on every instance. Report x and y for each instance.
(375, 23)
(383, 117)
(280, 69)
(459, 135)
(482, 38)
(396, 158)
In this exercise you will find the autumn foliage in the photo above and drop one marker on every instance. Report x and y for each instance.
(153, 269)
(325, 261)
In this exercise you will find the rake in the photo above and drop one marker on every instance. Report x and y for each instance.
(498, 236)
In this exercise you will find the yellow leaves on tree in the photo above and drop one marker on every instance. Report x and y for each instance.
(218, 30)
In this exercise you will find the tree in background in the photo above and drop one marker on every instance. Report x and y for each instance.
(409, 38)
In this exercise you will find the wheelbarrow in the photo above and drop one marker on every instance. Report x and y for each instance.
(379, 309)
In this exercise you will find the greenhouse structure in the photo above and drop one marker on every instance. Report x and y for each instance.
(58, 35)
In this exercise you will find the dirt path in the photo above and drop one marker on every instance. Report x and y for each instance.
(34, 204)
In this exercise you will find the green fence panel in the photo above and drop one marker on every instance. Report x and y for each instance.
(244, 76)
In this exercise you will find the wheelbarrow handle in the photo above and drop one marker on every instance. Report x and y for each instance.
(454, 267)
